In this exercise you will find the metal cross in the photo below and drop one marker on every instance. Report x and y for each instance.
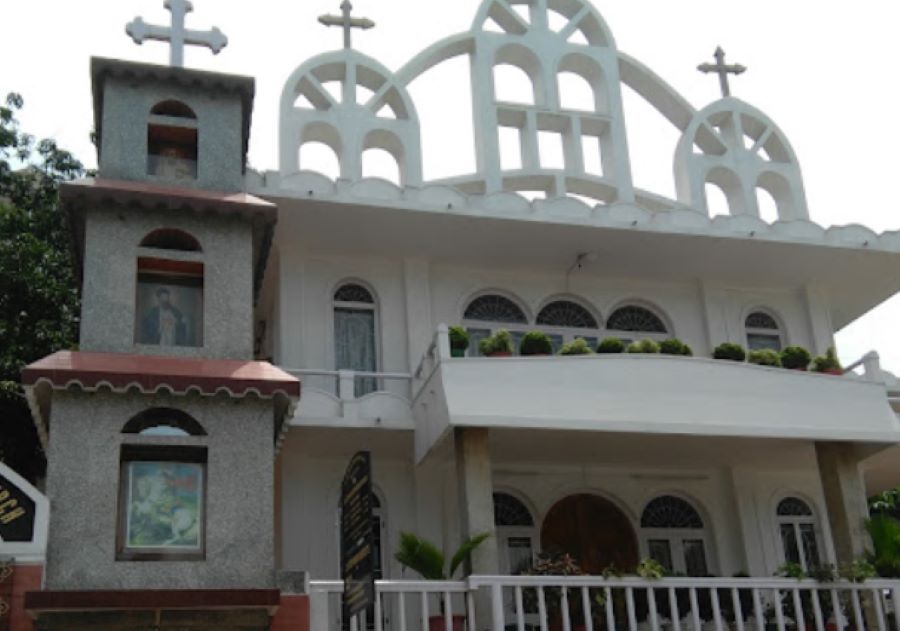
(177, 35)
(723, 70)
(346, 22)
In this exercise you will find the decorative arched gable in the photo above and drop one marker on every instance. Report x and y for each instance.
(351, 103)
(734, 146)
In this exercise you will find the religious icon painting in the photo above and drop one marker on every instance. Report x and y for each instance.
(169, 309)
(163, 509)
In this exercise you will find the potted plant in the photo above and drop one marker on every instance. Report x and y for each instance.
(422, 556)
(459, 341)
(535, 343)
(730, 351)
(611, 345)
(764, 357)
(578, 346)
(795, 358)
(558, 565)
(675, 347)
(644, 347)
(500, 344)
(828, 363)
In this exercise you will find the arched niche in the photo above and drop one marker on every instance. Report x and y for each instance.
(163, 421)
(730, 184)
(591, 72)
(389, 156)
(171, 239)
(527, 61)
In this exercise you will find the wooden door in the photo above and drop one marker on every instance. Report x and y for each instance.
(593, 530)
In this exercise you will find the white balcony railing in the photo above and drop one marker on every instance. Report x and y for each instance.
(531, 603)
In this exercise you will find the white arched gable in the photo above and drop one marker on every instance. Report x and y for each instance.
(542, 39)
(351, 103)
(734, 146)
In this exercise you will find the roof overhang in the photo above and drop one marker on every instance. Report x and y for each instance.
(143, 374)
(93, 193)
(855, 268)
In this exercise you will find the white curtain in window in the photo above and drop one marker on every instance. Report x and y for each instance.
(354, 344)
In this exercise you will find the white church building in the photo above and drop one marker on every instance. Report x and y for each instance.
(713, 468)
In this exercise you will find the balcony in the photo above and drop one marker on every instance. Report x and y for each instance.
(645, 394)
(532, 603)
(353, 399)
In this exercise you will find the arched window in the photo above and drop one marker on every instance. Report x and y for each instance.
(172, 141)
(576, 93)
(763, 332)
(515, 533)
(636, 320)
(355, 341)
(171, 239)
(798, 535)
(674, 535)
(491, 312)
(571, 319)
(163, 422)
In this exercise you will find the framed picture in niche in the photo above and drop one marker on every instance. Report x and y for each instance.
(162, 502)
(169, 307)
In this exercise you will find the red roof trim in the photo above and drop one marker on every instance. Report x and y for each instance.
(152, 373)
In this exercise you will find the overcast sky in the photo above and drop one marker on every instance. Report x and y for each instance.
(826, 72)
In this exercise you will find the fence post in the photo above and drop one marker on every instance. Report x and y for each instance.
(346, 385)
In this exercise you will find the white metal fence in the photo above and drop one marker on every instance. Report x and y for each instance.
(546, 603)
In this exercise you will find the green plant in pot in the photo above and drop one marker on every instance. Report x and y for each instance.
(535, 343)
(422, 556)
(610, 346)
(500, 344)
(828, 363)
(578, 346)
(561, 564)
(730, 351)
(459, 341)
(795, 358)
(643, 347)
(675, 347)
(764, 357)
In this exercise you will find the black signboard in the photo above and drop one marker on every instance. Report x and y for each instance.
(357, 551)
(16, 513)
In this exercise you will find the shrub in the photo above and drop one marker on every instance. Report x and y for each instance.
(732, 352)
(764, 357)
(535, 343)
(827, 362)
(675, 347)
(577, 347)
(611, 345)
(646, 347)
(499, 342)
(795, 358)
(459, 338)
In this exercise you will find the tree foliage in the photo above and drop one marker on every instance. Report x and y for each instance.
(39, 302)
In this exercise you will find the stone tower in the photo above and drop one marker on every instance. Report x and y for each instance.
(161, 430)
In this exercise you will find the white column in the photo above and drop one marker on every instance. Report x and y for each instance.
(818, 311)
(845, 499)
(419, 323)
(476, 495)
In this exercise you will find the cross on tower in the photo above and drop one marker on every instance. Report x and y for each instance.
(347, 22)
(177, 35)
(723, 70)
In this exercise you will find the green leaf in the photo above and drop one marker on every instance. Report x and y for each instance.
(420, 556)
(465, 551)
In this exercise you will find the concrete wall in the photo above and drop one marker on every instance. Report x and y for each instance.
(126, 113)
(83, 485)
(112, 249)
(414, 296)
